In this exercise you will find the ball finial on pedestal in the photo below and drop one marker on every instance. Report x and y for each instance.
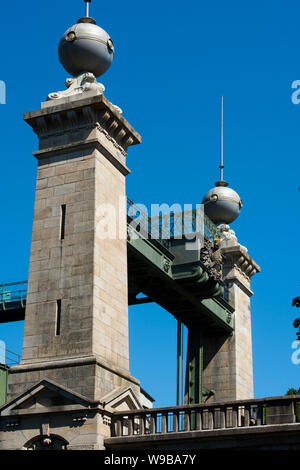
(85, 47)
(221, 203)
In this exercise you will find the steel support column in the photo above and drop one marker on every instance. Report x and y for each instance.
(194, 372)
(179, 359)
(3, 383)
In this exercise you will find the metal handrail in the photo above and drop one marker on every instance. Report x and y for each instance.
(171, 225)
(13, 292)
(10, 357)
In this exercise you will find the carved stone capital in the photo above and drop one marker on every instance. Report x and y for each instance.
(236, 257)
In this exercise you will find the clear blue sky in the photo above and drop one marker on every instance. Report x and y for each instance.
(173, 61)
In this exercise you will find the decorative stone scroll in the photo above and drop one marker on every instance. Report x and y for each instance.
(82, 83)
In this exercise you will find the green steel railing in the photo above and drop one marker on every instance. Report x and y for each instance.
(13, 295)
(171, 225)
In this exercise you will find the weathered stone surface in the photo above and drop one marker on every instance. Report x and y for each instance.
(81, 165)
(228, 368)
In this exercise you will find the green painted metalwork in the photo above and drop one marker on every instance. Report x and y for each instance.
(148, 237)
(3, 383)
(13, 301)
(190, 280)
(179, 360)
(152, 252)
(221, 310)
(298, 411)
(194, 371)
(13, 293)
(265, 414)
(195, 366)
(170, 225)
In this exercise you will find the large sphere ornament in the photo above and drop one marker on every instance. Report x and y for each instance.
(222, 204)
(85, 47)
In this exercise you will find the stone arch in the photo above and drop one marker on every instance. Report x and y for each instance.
(46, 442)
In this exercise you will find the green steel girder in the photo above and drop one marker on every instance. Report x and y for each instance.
(16, 313)
(223, 312)
(194, 367)
(152, 253)
(192, 297)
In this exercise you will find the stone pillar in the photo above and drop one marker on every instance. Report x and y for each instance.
(76, 323)
(228, 368)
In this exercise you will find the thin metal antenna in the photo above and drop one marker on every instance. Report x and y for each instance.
(87, 8)
(222, 146)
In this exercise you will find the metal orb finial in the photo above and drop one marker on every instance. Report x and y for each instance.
(221, 203)
(85, 47)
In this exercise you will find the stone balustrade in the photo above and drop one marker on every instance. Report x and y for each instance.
(204, 417)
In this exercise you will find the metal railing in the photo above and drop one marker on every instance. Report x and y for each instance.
(239, 414)
(8, 357)
(12, 294)
(170, 225)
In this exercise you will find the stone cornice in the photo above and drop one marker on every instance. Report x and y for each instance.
(89, 112)
(237, 257)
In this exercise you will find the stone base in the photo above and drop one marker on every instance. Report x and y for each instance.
(51, 417)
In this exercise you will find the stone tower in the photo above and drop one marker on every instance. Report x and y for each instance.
(76, 313)
(75, 362)
(76, 323)
(227, 362)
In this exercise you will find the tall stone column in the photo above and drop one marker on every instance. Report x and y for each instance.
(76, 324)
(227, 363)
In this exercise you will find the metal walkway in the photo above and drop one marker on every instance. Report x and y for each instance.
(164, 264)
(161, 268)
(13, 301)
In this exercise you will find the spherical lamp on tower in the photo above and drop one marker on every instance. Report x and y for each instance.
(221, 203)
(85, 47)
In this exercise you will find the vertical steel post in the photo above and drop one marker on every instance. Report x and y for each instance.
(172, 226)
(3, 383)
(179, 353)
(87, 8)
(200, 368)
(194, 386)
(160, 222)
(222, 145)
(195, 366)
